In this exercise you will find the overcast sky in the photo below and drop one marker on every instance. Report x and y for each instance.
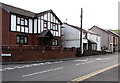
(103, 13)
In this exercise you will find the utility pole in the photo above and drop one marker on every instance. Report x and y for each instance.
(81, 32)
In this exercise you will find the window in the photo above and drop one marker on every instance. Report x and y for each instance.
(85, 35)
(54, 26)
(22, 24)
(45, 24)
(22, 21)
(22, 40)
(18, 20)
(97, 38)
(55, 42)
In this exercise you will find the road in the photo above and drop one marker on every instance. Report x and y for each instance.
(64, 71)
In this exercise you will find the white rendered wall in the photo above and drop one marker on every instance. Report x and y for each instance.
(71, 37)
(95, 38)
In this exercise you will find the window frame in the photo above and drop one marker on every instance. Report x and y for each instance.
(55, 42)
(22, 21)
(55, 25)
(21, 37)
(45, 24)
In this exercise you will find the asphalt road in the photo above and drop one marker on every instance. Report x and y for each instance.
(110, 75)
(62, 71)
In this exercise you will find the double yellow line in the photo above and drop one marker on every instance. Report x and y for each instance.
(93, 74)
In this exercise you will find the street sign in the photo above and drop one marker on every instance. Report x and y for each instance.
(5, 54)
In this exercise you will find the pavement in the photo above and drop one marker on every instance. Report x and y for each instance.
(52, 60)
(59, 71)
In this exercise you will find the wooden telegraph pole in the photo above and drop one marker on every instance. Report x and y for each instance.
(81, 32)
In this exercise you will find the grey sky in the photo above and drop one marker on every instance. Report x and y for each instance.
(103, 13)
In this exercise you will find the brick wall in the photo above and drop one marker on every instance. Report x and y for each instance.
(5, 28)
(22, 55)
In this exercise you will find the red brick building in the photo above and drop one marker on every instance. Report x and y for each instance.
(29, 36)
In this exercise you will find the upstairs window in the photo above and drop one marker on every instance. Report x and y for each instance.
(45, 24)
(22, 40)
(54, 26)
(22, 24)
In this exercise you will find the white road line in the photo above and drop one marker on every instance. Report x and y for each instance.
(85, 62)
(42, 72)
(98, 59)
(48, 62)
(27, 66)
(106, 58)
(9, 68)
(88, 62)
(80, 60)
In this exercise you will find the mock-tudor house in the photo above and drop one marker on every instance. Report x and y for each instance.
(109, 41)
(71, 38)
(28, 28)
(23, 30)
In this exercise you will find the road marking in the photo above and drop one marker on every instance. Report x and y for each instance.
(94, 73)
(98, 59)
(42, 72)
(84, 63)
(106, 58)
(31, 65)
(80, 60)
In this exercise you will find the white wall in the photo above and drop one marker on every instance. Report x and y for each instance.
(71, 36)
(95, 38)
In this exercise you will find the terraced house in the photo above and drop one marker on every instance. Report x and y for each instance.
(71, 38)
(109, 39)
(24, 32)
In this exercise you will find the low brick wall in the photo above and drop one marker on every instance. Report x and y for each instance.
(23, 55)
(93, 52)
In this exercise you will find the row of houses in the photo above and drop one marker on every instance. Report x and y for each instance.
(27, 35)
(71, 38)
(95, 38)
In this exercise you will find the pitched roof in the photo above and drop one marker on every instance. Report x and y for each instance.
(45, 12)
(9, 8)
(113, 33)
(46, 34)
(107, 31)
(76, 27)
(99, 28)
(12, 9)
(91, 41)
(93, 32)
